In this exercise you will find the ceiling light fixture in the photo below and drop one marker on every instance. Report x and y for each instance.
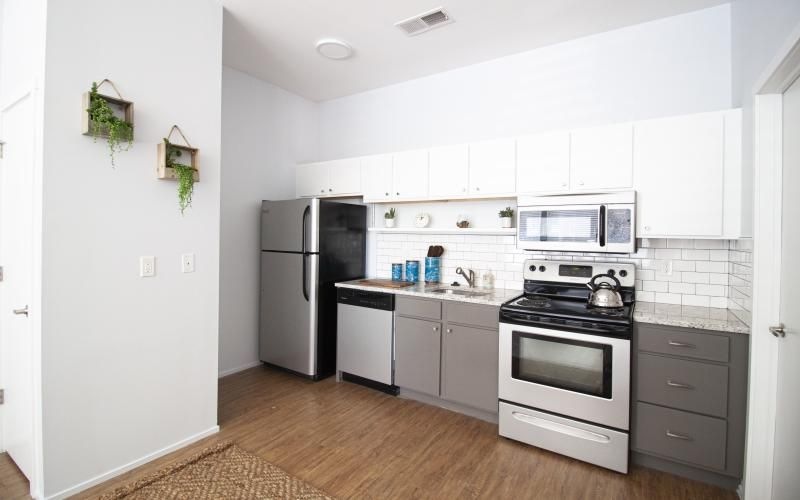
(334, 49)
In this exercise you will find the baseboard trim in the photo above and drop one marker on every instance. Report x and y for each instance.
(132, 465)
(238, 369)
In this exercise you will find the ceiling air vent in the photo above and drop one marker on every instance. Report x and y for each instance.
(424, 22)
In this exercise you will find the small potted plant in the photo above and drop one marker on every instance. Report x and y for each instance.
(506, 217)
(101, 121)
(388, 217)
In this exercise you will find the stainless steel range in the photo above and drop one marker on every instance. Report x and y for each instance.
(564, 367)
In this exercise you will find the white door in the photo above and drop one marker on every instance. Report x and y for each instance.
(376, 178)
(312, 180)
(785, 480)
(410, 174)
(601, 157)
(344, 176)
(685, 155)
(493, 167)
(16, 246)
(448, 174)
(543, 163)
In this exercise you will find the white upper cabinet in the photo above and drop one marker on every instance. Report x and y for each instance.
(376, 178)
(601, 158)
(448, 175)
(543, 163)
(344, 177)
(329, 178)
(492, 167)
(679, 176)
(410, 175)
(311, 180)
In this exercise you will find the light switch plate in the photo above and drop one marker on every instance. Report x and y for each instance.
(147, 266)
(187, 263)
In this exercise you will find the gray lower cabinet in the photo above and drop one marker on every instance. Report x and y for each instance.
(469, 366)
(417, 349)
(447, 349)
(689, 401)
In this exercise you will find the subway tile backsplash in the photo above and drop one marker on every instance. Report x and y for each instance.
(710, 273)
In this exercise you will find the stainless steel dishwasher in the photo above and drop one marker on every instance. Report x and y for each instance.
(365, 338)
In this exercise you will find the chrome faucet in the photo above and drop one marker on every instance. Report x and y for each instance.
(470, 278)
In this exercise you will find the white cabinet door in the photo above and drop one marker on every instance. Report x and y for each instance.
(344, 176)
(376, 178)
(448, 174)
(601, 157)
(543, 163)
(410, 174)
(492, 167)
(311, 179)
(678, 175)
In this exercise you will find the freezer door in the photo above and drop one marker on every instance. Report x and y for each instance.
(288, 322)
(290, 225)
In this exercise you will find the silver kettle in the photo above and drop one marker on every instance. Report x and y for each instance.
(604, 294)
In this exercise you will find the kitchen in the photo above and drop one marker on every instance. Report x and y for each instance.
(575, 371)
(461, 250)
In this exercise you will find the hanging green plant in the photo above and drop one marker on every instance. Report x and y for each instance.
(184, 173)
(101, 120)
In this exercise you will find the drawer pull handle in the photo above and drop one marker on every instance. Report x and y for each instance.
(675, 343)
(561, 428)
(678, 385)
(673, 435)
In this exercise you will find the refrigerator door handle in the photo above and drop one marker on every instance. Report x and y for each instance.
(305, 255)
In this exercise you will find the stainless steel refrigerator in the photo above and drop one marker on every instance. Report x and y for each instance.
(307, 245)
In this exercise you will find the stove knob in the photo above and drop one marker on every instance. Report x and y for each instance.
(623, 273)
(532, 269)
(542, 268)
(611, 272)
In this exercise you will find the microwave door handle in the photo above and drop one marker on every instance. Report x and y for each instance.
(602, 230)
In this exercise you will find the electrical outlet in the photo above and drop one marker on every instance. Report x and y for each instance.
(664, 267)
(187, 263)
(147, 266)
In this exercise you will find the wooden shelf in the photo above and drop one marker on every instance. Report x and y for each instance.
(441, 230)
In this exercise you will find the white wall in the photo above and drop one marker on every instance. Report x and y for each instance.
(672, 66)
(265, 131)
(129, 364)
(759, 29)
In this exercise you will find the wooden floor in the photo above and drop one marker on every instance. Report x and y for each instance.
(353, 442)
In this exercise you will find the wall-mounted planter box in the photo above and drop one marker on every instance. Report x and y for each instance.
(122, 109)
(188, 157)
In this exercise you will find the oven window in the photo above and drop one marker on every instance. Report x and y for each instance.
(580, 225)
(573, 365)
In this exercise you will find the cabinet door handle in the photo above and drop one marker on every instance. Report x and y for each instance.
(477, 189)
(580, 183)
(321, 190)
(675, 343)
(678, 385)
(387, 194)
(435, 328)
(674, 435)
(449, 330)
(330, 190)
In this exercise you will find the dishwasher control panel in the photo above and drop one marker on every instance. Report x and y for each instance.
(363, 298)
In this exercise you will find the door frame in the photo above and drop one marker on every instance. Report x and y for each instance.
(36, 94)
(767, 215)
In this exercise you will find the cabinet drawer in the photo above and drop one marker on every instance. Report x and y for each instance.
(679, 342)
(473, 315)
(687, 385)
(680, 435)
(420, 308)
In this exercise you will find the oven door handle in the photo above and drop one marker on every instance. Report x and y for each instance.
(561, 428)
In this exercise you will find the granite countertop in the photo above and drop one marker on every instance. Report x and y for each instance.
(703, 318)
(494, 297)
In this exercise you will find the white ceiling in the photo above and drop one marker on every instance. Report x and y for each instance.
(274, 39)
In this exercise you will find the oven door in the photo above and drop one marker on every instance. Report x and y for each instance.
(572, 374)
(561, 228)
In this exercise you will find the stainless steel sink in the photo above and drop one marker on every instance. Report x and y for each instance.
(456, 291)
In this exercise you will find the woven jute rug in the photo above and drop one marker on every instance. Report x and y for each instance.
(221, 471)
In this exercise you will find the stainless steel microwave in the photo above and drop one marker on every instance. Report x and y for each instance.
(598, 223)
